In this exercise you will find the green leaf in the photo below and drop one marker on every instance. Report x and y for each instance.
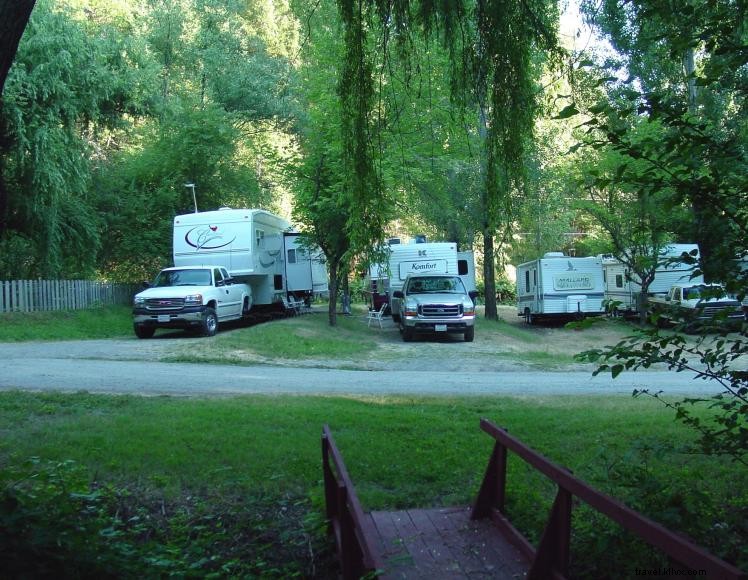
(567, 112)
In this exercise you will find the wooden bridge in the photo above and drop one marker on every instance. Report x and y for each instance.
(479, 542)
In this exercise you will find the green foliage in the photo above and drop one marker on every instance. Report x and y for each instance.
(710, 357)
(53, 521)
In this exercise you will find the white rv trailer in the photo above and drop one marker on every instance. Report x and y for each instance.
(559, 286)
(306, 269)
(466, 269)
(622, 287)
(252, 245)
(418, 258)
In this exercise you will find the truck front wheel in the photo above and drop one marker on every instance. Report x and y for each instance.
(209, 324)
(143, 331)
(469, 334)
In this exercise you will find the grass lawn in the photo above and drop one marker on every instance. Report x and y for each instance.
(98, 486)
(104, 322)
(196, 473)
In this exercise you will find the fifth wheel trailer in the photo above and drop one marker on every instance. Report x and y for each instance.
(254, 245)
(623, 287)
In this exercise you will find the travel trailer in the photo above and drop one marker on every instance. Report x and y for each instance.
(559, 286)
(623, 287)
(416, 257)
(257, 247)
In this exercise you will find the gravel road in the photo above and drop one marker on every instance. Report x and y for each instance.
(135, 367)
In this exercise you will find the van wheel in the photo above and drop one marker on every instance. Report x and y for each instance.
(469, 334)
(144, 331)
(209, 325)
(245, 308)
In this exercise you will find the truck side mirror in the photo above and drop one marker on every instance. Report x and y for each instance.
(398, 294)
(473, 294)
(145, 284)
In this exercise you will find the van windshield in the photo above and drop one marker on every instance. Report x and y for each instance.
(183, 278)
(432, 284)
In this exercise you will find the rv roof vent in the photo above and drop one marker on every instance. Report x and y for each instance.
(554, 255)
(420, 238)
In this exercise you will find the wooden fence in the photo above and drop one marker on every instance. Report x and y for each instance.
(45, 295)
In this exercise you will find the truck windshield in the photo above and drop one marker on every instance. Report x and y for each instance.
(705, 292)
(441, 284)
(183, 278)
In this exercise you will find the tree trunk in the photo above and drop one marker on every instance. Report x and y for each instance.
(489, 275)
(14, 15)
(332, 314)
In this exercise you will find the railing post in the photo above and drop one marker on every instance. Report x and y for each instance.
(493, 489)
(351, 556)
(553, 551)
(330, 483)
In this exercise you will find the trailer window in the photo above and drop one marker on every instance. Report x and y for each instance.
(527, 281)
(462, 267)
(619, 280)
(259, 239)
(291, 256)
(278, 282)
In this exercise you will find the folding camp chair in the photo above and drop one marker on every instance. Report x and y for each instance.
(376, 315)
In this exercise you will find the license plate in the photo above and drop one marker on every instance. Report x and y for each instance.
(164, 318)
(440, 328)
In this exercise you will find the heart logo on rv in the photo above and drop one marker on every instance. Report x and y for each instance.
(213, 228)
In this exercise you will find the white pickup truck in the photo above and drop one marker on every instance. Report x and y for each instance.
(696, 304)
(190, 297)
(435, 303)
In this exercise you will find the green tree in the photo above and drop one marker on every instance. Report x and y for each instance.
(57, 97)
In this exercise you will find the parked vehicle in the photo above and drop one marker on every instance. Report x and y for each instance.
(435, 303)
(256, 247)
(417, 257)
(623, 287)
(695, 305)
(559, 286)
(190, 297)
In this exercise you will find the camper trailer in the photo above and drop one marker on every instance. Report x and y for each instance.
(466, 270)
(305, 269)
(417, 258)
(254, 245)
(559, 286)
(622, 287)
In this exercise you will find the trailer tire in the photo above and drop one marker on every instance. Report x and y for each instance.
(209, 324)
(529, 318)
(469, 334)
(144, 331)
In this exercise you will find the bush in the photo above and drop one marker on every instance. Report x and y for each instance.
(55, 523)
